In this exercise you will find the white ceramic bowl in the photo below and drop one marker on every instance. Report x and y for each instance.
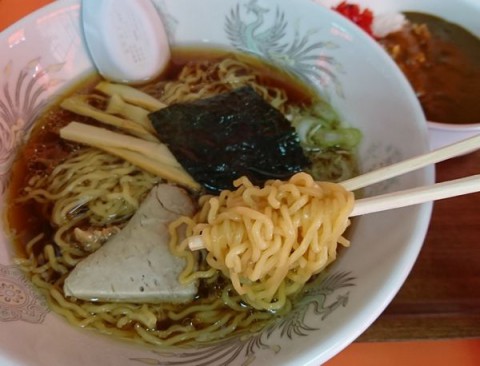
(465, 13)
(43, 54)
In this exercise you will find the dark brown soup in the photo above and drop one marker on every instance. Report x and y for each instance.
(442, 62)
(48, 250)
(45, 149)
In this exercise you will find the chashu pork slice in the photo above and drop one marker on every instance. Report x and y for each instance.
(136, 264)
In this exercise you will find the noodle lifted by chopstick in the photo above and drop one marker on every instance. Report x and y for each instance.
(270, 241)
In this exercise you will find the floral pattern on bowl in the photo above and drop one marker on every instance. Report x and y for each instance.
(318, 299)
(18, 299)
(300, 55)
(23, 95)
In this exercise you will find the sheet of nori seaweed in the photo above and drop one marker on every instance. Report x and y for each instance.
(221, 138)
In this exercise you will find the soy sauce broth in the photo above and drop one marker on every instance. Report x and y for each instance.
(45, 149)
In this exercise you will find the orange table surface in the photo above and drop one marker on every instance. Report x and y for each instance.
(457, 352)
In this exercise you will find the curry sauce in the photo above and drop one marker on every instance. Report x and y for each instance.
(442, 62)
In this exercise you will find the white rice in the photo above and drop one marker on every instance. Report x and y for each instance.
(384, 24)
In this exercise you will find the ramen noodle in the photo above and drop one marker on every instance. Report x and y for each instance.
(270, 240)
(62, 194)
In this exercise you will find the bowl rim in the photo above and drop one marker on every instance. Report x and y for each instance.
(371, 312)
(461, 127)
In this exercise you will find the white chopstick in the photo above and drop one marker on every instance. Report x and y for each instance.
(435, 156)
(406, 197)
(398, 199)
(417, 195)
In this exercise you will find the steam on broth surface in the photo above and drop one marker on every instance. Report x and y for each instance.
(66, 200)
